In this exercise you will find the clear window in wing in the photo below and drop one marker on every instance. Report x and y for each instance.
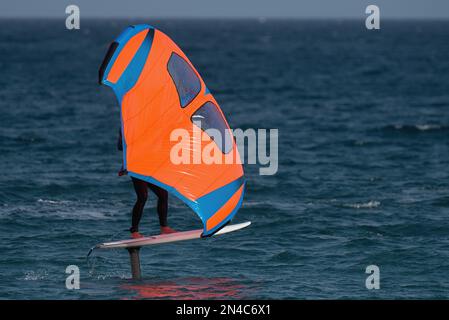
(186, 81)
(211, 120)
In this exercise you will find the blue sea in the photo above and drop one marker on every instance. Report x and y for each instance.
(363, 179)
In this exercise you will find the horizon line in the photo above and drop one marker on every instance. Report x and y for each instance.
(221, 17)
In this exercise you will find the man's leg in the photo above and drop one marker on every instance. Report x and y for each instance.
(162, 203)
(141, 188)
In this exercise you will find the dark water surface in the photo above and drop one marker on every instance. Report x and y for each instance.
(363, 178)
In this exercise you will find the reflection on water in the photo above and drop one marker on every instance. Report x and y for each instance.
(188, 288)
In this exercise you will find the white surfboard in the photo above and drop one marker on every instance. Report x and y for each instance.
(165, 238)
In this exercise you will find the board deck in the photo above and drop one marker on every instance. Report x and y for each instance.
(166, 238)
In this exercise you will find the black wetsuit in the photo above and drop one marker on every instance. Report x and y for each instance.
(141, 187)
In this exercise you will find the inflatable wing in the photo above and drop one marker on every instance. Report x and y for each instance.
(159, 91)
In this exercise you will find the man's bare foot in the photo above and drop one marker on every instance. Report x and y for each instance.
(167, 230)
(136, 235)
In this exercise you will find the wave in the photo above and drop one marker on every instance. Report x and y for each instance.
(363, 205)
(112, 275)
(51, 209)
(34, 275)
(47, 201)
(416, 128)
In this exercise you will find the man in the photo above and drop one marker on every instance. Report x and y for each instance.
(141, 188)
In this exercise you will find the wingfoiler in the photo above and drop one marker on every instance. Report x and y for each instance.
(159, 91)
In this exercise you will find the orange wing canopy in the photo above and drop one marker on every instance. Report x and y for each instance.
(159, 92)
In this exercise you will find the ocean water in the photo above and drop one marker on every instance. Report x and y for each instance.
(363, 119)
